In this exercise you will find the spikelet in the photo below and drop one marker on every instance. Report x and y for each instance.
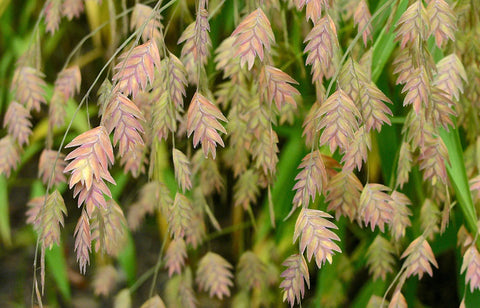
(175, 256)
(418, 257)
(450, 73)
(430, 218)
(83, 241)
(400, 220)
(442, 21)
(180, 216)
(316, 235)
(153, 196)
(35, 205)
(441, 108)
(179, 291)
(104, 93)
(214, 275)
(28, 85)
(203, 42)
(144, 16)
(109, 229)
(404, 164)
(123, 116)
(351, 79)
(403, 66)
(361, 18)
(202, 121)
(154, 302)
(89, 167)
(412, 25)
(246, 189)
(374, 111)
(163, 116)
(357, 151)
(275, 86)
(339, 118)
(322, 48)
(375, 206)
(311, 180)
(253, 37)
(226, 60)
(398, 301)
(264, 151)
(174, 72)
(50, 220)
(433, 158)
(57, 110)
(72, 8)
(309, 126)
(380, 258)
(251, 271)
(52, 15)
(68, 82)
(207, 171)
(314, 8)
(47, 167)
(136, 68)
(182, 169)
(471, 264)
(293, 277)
(418, 89)
(195, 232)
(134, 161)
(344, 191)
(17, 122)
(104, 280)
(9, 155)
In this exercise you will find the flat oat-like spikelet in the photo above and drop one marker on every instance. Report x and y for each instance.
(207, 170)
(83, 241)
(418, 89)
(398, 301)
(104, 280)
(251, 271)
(311, 180)
(374, 111)
(361, 18)
(175, 256)
(144, 16)
(322, 48)
(174, 72)
(72, 8)
(357, 151)
(418, 256)
(154, 302)
(57, 110)
(314, 8)
(310, 126)
(17, 122)
(226, 60)
(450, 73)
(52, 15)
(163, 116)
(339, 118)
(264, 151)
(344, 191)
(182, 169)
(275, 86)
(136, 68)
(246, 189)
(50, 220)
(413, 24)
(109, 229)
(293, 277)
(401, 212)
(29, 86)
(441, 109)
(442, 21)
(471, 264)
(134, 161)
(68, 82)
(180, 216)
(153, 196)
(316, 235)
(375, 206)
(123, 116)
(433, 159)
(253, 34)
(404, 164)
(380, 258)
(47, 167)
(430, 218)
(9, 155)
(214, 275)
(202, 121)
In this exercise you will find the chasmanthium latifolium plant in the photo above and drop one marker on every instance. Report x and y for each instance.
(281, 145)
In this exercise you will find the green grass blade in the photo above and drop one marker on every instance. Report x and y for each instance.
(4, 213)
